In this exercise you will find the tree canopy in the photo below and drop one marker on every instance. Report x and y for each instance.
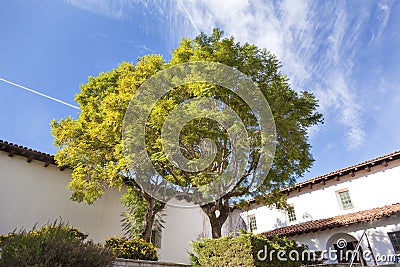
(91, 144)
(93, 147)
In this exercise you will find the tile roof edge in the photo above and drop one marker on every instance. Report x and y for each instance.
(31, 154)
(340, 172)
(332, 222)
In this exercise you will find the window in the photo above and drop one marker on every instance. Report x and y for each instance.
(253, 223)
(344, 199)
(395, 239)
(291, 214)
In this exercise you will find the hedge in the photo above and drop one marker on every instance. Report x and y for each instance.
(248, 250)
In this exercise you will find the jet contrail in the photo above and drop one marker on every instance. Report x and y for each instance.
(38, 93)
(189, 17)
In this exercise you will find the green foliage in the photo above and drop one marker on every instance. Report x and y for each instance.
(52, 245)
(243, 251)
(294, 112)
(223, 251)
(91, 144)
(137, 249)
(133, 218)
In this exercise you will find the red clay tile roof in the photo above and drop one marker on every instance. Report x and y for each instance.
(351, 170)
(30, 154)
(337, 221)
(366, 165)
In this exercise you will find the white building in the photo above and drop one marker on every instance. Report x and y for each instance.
(334, 207)
(342, 205)
(33, 191)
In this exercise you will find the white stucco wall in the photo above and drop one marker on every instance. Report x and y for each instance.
(376, 234)
(182, 225)
(31, 193)
(368, 190)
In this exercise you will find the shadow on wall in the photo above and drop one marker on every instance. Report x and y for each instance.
(234, 227)
(280, 223)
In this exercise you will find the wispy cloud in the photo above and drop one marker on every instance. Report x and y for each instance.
(111, 8)
(189, 16)
(142, 48)
(316, 43)
(145, 48)
(98, 35)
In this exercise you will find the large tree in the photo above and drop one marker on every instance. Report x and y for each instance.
(92, 143)
(293, 114)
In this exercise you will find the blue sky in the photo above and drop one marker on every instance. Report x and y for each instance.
(345, 52)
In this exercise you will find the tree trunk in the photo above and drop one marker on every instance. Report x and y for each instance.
(153, 207)
(149, 219)
(216, 227)
(217, 220)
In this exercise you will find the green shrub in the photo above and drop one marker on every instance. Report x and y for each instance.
(52, 245)
(224, 251)
(137, 249)
(244, 250)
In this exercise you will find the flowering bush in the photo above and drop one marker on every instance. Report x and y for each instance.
(52, 245)
(137, 249)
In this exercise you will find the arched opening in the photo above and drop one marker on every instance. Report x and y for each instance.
(342, 246)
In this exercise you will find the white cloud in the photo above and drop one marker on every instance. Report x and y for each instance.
(146, 49)
(317, 43)
(383, 17)
(111, 8)
(182, 5)
(311, 46)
